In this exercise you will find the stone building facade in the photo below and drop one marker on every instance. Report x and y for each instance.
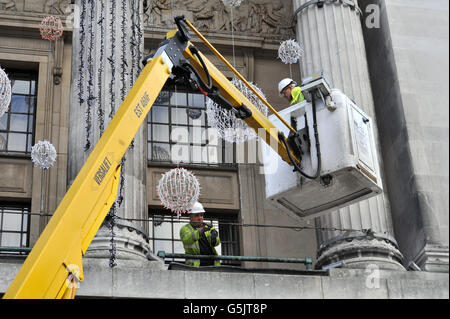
(75, 85)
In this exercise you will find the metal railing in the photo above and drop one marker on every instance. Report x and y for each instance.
(306, 261)
(15, 249)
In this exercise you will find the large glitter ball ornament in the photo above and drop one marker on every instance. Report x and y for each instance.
(178, 190)
(43, 154)
(5, 92)
(290, 51)
(228, 126)
(51, 28)
(232, 3)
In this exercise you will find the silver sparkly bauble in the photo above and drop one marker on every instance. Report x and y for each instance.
(232, 3)
(290, 51)
(5, 92)
(178, 190)
(228, 126)
(43, 154)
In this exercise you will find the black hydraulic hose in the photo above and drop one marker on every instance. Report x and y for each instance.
(205, 87)
(316, 136)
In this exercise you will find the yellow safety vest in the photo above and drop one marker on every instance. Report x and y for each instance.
(190, 237)
(297, 95)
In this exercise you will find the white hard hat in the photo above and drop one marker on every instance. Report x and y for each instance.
(197, 208)
(285, 83)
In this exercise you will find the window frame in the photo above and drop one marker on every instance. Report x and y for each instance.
(230, 245)
(25, 213)
(222, 147)
(28, 75)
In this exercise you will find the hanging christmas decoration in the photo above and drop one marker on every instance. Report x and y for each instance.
(232, 3)
(111, 222)
(51, 28)
(43, 154)
(290, 51)
(228, 126)
(5, 92)
(178, 190)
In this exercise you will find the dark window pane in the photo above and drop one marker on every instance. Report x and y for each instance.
(30, 123)
(4, 122)
(160, 133)
(179, 116)
(12, 221)
(17, 142)
(3, 141)
(33, 88)
(178, 99)
(31, 103)
(160, 114)
(18, 123)
(163, 245)
(24, 221)
(163, 231)
(163, 98)
(29, 143)
(198, 155)
(201, 121)
(196, 100)
(19, 104)
(160, 152)
(10, 240)
(213, 155)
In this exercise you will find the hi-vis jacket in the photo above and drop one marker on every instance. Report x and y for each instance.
(297, 95)
(190, 237)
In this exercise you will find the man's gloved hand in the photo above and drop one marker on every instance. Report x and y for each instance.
(204, 229)
(214, 235)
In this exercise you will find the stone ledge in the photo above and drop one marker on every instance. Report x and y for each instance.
(151, 280)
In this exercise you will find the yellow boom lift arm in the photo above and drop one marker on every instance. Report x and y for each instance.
(55, 261)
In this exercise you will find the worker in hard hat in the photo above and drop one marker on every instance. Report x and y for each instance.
(291, 91)
(199, 238)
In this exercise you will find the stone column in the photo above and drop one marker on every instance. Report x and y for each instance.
(106, 61)
(333, 42)
(409, 72)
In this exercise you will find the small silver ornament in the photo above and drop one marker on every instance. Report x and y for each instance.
(290, 52)
(5, 92)
(43, 154)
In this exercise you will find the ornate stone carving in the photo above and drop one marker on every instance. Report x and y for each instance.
(8, 5)
(56, 6)
(251, 17)
(57, 75)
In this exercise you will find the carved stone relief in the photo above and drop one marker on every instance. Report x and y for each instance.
(56, 6)
(8, 5)
(251, 17)
(263, 17)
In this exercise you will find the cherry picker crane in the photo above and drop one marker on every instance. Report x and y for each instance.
(345, 171)
(67, 236)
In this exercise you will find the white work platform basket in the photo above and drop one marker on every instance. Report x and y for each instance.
(349, 172)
